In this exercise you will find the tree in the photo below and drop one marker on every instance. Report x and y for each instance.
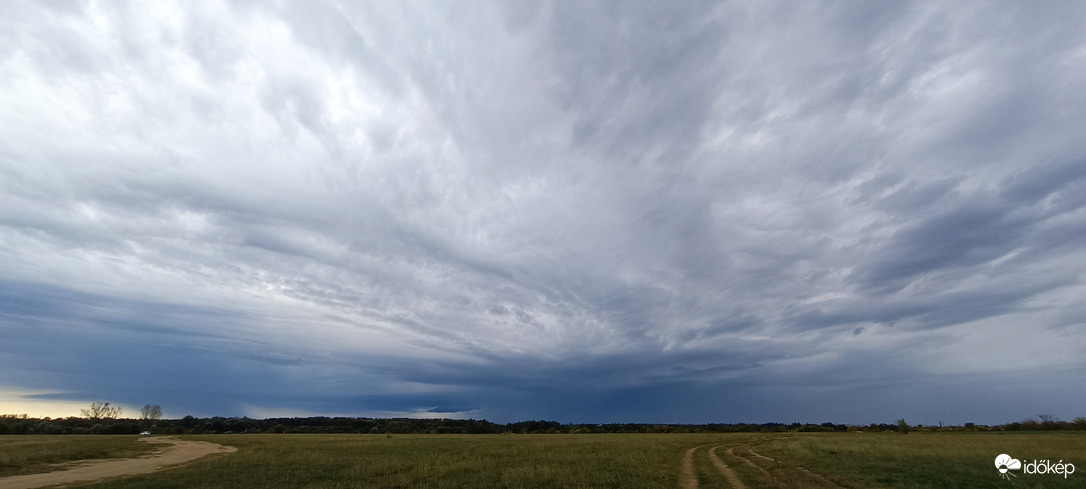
(102, 410)
(151, 411)
(902, 426)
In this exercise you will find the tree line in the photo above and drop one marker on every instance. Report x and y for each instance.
(109, 422)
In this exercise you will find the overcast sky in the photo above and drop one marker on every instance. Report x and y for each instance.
(579, 211)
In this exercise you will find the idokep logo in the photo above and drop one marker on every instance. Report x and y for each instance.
(1005, 464)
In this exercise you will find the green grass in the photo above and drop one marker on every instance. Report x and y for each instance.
(29, 454)
(850, 460)
(433, 461)
(927, 460)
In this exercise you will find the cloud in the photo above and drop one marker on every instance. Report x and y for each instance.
(595, 211)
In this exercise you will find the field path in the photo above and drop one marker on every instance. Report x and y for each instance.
(748, 462)
(726, 471)
(688, 478)
(178, 452)
(820, 480)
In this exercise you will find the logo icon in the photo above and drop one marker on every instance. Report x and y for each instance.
(1005, 463)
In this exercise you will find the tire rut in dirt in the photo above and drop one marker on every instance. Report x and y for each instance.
(688, 477)
(726, 471)
(783, 470)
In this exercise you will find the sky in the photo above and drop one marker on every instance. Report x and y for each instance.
(577, 211)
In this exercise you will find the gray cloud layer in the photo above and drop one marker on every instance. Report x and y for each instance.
(605, 211)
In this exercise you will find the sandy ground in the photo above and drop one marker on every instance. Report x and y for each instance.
(177, 452)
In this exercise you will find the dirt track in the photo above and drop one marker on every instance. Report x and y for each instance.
(688, 477)
(726, 471)
(178, 452)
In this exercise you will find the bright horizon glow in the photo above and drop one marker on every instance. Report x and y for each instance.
(17, 401)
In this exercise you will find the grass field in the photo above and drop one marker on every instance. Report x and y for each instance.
(917, 460)
(27, 454)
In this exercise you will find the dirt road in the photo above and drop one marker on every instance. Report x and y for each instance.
(688, 477)
(178, 452)
(727, 472)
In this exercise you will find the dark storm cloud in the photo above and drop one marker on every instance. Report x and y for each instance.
(602, 211)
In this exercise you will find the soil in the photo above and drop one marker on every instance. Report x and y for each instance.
(177, 452)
